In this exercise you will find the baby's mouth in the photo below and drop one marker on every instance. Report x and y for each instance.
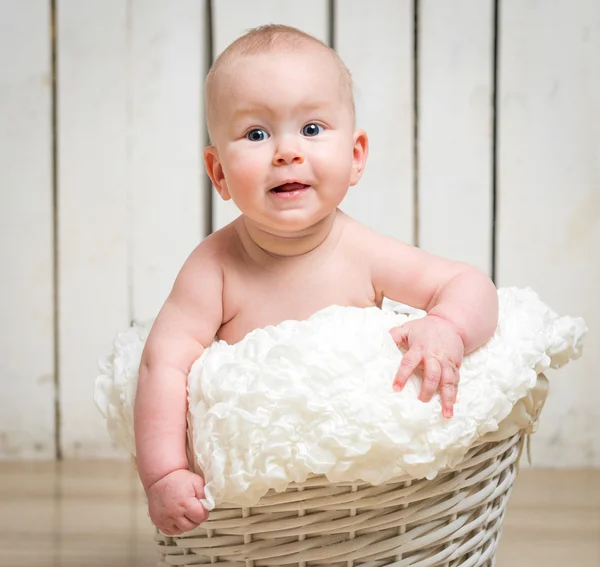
(289, 187)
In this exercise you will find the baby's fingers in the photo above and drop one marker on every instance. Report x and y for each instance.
(448, 390)
(400, 334)
(195, 512)
(431, 378)
(408, 365)
(168, 526)
(184, 524)
(170, 530)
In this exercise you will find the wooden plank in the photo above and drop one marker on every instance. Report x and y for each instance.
(455, 129)
(167, 66)
(549, 196)
(232, 18)
(553, 519)
(93, 181)
(26, 232)
(383, 81)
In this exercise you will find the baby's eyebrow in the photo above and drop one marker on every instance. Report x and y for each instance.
(305, 106)
(244, 111)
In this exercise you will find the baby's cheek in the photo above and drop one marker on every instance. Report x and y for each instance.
(336, 165)
(340, 154)
(246, 170)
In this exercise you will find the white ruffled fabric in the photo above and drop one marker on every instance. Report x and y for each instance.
(315, 397)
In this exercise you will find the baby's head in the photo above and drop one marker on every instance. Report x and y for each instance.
(280, 114)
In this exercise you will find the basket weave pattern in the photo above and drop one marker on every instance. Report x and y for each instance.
(453, 520)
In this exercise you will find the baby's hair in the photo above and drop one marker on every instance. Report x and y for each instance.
(266, 38)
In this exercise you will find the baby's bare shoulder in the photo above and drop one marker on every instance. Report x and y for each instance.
(366, 240)
(214, 252)
(203, 272)
(194, 308)
(401, 271)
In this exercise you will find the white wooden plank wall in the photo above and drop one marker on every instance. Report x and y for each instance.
(132, 199)
(549, 196)
(455, 70)
(168, 56)
(93, 205)
(26, 232)
(376, 42)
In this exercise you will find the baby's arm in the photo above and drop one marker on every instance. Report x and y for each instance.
(185, 326)
(462, 312)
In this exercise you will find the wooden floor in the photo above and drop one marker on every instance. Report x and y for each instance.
(92, 514)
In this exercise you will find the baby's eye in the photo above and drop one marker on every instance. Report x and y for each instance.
(312, 129)
(257, 135)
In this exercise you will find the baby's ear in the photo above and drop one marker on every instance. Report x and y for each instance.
(215, 171)
(359, 156)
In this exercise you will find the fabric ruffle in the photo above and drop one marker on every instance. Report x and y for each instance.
(315, 397)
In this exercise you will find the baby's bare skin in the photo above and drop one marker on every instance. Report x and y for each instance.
(261, 290)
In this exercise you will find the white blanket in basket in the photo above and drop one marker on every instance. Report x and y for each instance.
(315, 397)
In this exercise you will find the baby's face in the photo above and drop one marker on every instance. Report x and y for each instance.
(283, 134)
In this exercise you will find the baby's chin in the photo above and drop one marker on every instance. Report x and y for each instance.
(297, 222)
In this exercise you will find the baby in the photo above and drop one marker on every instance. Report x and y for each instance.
(281, 119)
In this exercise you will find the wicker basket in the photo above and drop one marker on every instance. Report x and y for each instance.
(452, 520)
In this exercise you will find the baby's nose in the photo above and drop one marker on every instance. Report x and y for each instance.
(287, 153)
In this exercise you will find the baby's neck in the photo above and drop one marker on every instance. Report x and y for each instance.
(263, 245)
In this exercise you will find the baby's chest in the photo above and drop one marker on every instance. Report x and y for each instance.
(251, 301)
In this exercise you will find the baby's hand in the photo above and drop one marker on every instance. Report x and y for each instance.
(434, 345)
(173, 502)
